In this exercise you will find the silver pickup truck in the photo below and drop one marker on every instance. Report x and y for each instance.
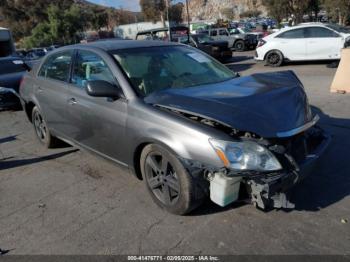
(236, 39)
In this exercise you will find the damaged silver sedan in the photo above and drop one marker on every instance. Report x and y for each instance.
(179, 120)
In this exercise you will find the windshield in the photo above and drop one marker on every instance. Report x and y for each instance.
(338, 28)
(157, 68)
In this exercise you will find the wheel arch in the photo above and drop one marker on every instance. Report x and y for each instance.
(139, 149)
(28, 108)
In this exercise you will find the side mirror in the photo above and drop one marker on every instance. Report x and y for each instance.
(100, 88)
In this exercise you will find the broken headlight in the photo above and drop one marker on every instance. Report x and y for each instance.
(245, 156)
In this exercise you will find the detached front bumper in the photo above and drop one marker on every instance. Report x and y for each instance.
(270, 191)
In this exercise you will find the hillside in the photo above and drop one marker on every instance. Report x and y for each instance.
(23, 16)
(213, 9)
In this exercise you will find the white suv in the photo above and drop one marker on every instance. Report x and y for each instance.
(303, 43)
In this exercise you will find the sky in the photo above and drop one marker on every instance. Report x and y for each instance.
(132, 5)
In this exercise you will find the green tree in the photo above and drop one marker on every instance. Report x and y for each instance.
(338, 10)
(277, 9)
(175, 12)
(280, 9)
(61, 27)
(153, 10)
(314, 9)
(41, 36)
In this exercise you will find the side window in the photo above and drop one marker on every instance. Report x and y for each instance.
(213, 33)
(293, 34)
(222, 32)
(89, 66)
(57, 66)
(319, 32)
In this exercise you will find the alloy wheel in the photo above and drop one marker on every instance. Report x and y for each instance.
(274, 58)
(40, 126)
(162, 179)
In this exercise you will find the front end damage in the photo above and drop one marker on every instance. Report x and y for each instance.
(298, 155)
(269, 112)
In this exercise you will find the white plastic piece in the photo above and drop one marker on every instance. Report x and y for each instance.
(224, 190)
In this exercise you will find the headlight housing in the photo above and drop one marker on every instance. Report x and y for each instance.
(245, 156)
(216, 48)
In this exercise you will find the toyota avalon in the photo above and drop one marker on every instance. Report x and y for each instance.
(182, 122)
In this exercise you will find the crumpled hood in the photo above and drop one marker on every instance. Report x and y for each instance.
(264, 104)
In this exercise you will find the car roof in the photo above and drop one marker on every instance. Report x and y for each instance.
(304, 25)
(112, 45)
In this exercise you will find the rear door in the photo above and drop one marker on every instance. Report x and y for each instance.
(223, 34)
(323, 43)
(50, 89)
(95, 122)
(292, 44)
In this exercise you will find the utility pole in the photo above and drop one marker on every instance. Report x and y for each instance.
(167, 13)
(188, 21)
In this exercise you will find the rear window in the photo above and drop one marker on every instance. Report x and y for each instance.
(6, 45)
(320, 32)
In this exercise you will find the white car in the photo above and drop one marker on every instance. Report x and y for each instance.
(304, 42)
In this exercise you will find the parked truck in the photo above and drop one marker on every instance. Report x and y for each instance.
(236, 40)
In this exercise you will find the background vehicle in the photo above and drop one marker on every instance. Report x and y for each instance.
(236, 39)
(217, 49)
(178, 119)
(162, 34)
(35, 54)
(12, 69)
(7, 46)
(303, 43)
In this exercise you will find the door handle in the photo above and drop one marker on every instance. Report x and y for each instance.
(72, 101)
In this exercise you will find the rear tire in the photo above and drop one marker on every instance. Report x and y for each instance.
(274, 58)
(170, 185)
(41, 130)
(240, 46)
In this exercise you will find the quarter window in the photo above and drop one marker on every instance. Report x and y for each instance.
(88, 67)
(293, 34)
(57, 66)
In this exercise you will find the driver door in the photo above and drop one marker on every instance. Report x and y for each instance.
(97, 123)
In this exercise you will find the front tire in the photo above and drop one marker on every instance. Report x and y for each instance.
(41, 130)
(274, 58)
(170, 185)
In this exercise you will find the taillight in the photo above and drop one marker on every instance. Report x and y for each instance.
(261, 43)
